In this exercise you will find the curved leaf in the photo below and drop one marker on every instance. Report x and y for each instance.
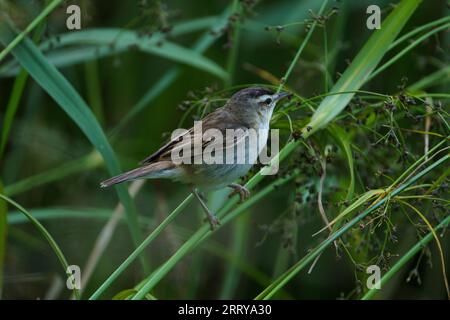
(57, 86)
(96, 43)
(363, 65)
(62, 259)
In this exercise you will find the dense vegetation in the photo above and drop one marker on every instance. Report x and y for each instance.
(363, 158)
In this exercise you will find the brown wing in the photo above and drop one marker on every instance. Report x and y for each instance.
(220, 119)
(165, 148)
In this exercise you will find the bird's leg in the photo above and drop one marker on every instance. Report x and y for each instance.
(213, 221)
(244, 193)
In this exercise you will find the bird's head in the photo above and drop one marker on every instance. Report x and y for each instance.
(255, 103)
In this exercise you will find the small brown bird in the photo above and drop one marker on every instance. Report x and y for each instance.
(248, 109)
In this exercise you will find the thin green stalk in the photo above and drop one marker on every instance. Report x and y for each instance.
(11, 108)
(43, 231)
(195, 238)
(141, 248)
(255, 179)
(101, 214)
(3, 238)
(418, 30)
(393, 25)
(405, 258)
(418, 162)
(169, 77)
(42, 214)
(204, 233)
(70, 48)
(57, 86)
(93, 89)
(191, 243)
(440, 76)
(83, 164)
(29, 28)
(16, 95)
(232, 56)
(295, 269)
(238, 252)
(406, 50)
(367, 59)
(434, 95)
(325, 56)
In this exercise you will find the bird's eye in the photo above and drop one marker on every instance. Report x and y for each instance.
(268, 101)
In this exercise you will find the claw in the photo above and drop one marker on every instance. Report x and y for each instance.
(243, 192)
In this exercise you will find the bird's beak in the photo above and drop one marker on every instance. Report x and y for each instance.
(281, 95)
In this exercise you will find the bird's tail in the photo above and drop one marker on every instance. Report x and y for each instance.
(161, 169)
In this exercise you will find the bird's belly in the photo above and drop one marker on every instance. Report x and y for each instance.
(216, 176)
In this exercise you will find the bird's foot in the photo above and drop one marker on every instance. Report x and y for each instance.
(243, 192)
(213, 221)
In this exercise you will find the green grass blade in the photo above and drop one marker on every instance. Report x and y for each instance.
(121, 37)
(204, 233)
(101, 214)
(233, 52)
(440, 76)
(201, 234)
(15, 41)
(189, 57)
(94, 89)
(11, 108)
(3, 238)
(42, 214)
(16, 95)
(343, 141)
(301, 47)
(405, 258)
(79, 165)
(56, 85)
(362, 66)
(418, 30)
(140, 248)
(238, 253)
(157, 276)
(95, 43)
(62, 259)
(411, 46)
(93, 160)
(62, 58)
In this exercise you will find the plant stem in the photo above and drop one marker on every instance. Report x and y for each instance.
(45, 234)
(29, 28)
(141, 248)
(289, 274)
(232, 56)
(204, 233)
(300, 49)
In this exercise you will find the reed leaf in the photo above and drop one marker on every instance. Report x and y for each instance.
(43, 231)
(362, 65)
(57, 86)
